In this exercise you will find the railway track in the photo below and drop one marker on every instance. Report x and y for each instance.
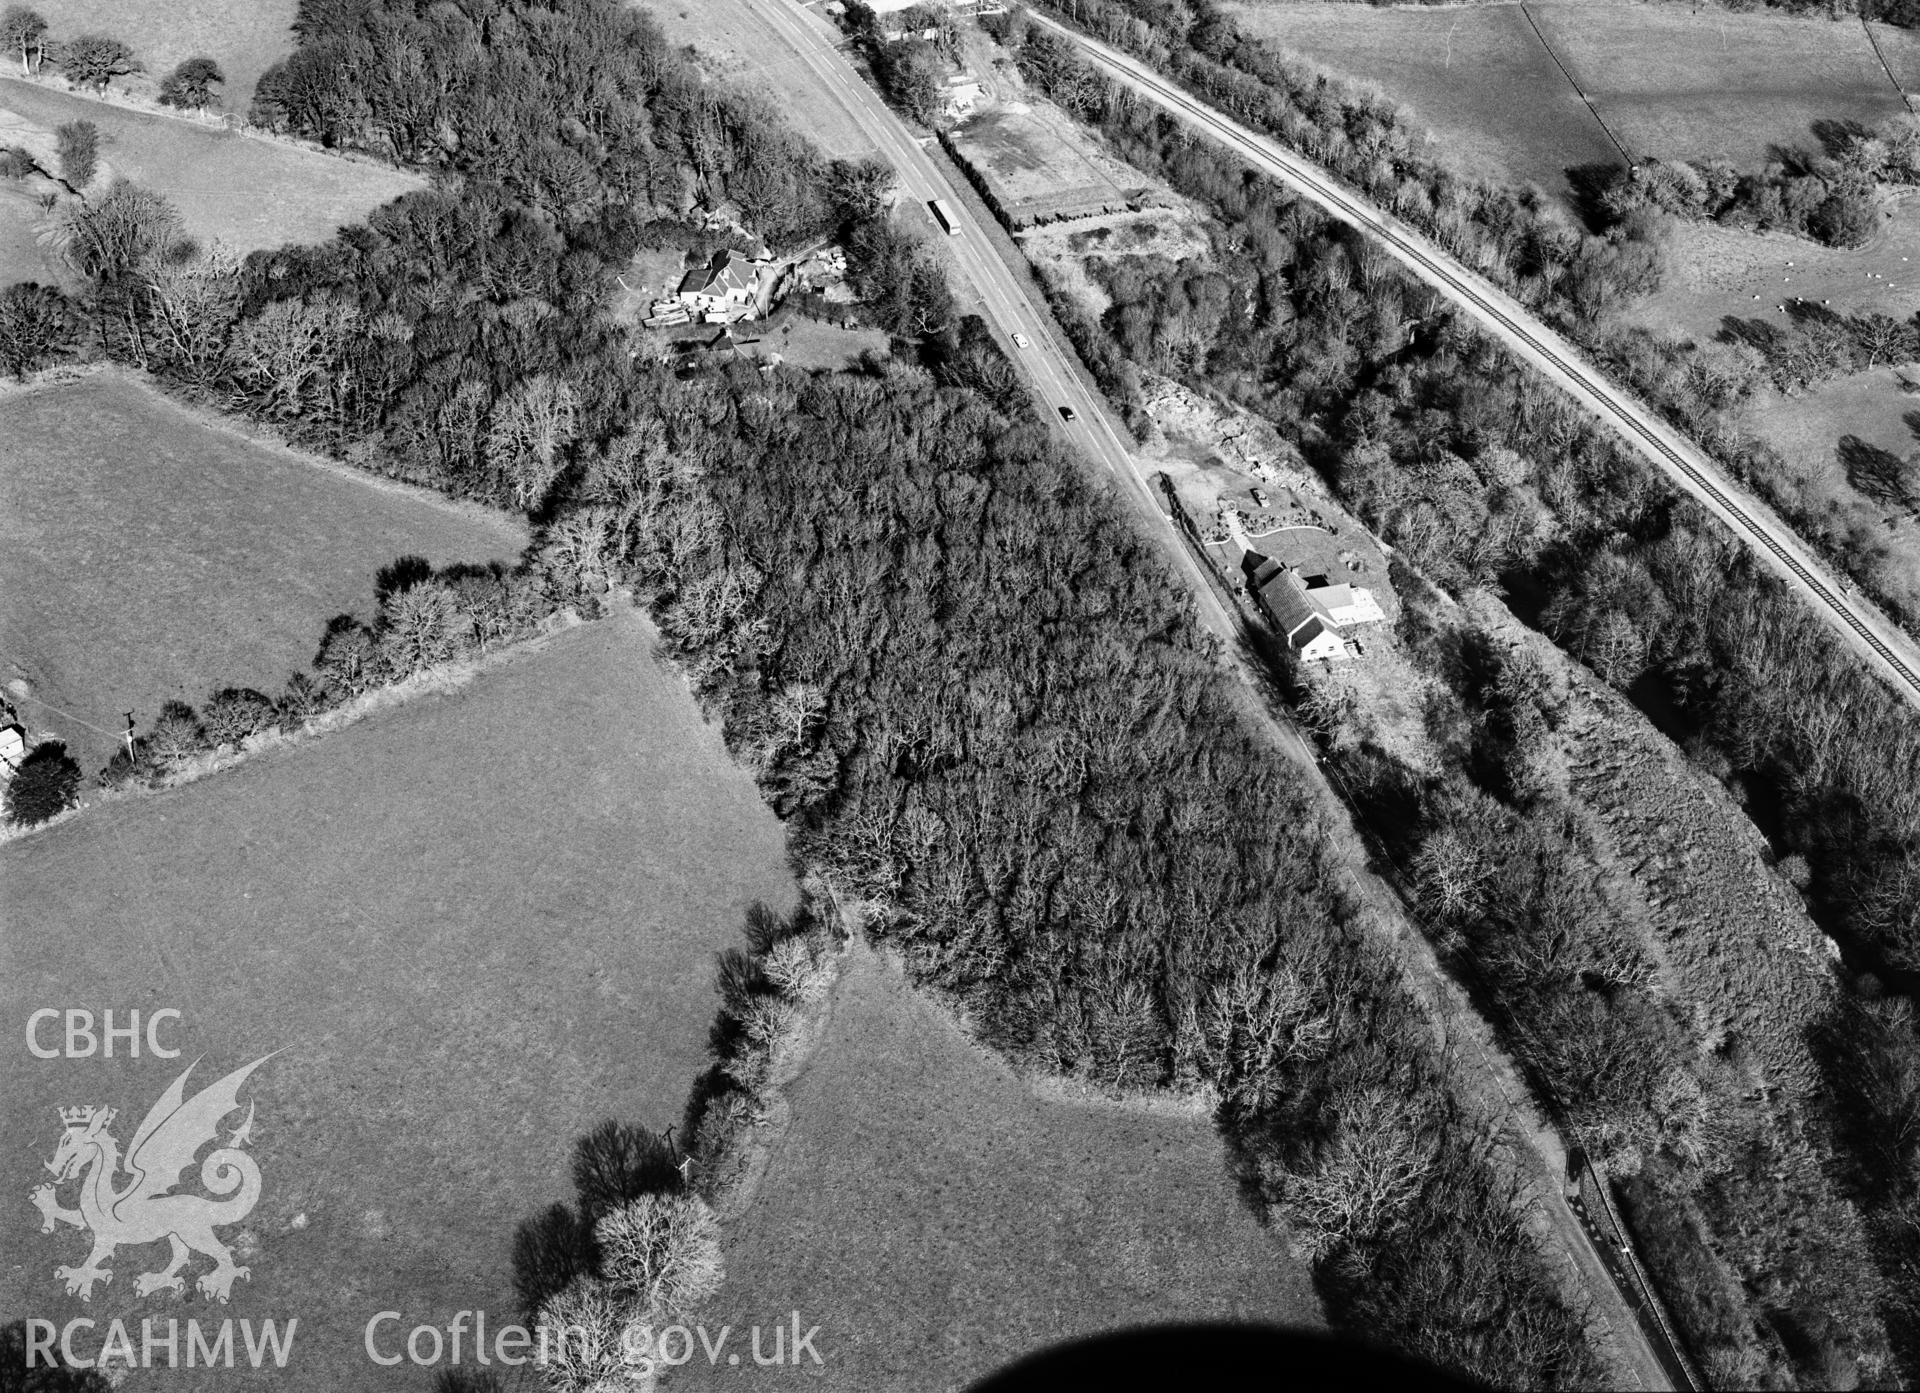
(1755, 525)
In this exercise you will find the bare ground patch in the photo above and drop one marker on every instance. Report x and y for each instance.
(1061, 253)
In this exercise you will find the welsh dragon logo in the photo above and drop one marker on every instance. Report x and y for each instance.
(141, 1210)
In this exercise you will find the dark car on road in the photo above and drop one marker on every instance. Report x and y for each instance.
(1067, 413)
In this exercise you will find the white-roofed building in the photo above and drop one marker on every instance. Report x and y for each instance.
(13, 749)
(1310, 613)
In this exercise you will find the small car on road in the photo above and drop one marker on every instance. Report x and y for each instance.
(1067, 413)
(1022, 341)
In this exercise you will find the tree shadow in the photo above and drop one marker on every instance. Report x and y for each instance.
(1760, 335)
(1589, 184)
(1879, 474)
(1838, 134)
(550, 1251)
(1793, 158)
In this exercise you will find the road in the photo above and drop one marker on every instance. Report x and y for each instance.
(1052, 374)
(1863, 629)
(1046, 362)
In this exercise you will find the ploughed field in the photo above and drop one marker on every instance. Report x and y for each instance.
(467, 930)
(938, 1219)
(149, 555)
(1497, 84)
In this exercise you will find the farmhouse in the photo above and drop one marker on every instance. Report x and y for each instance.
(1311, 612)
(729, 287)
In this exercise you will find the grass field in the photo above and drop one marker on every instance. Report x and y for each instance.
(809, 343)
(249, 193)
(1806, 430)
(22, 256)
(737, 46)
(1713, 272)
(472, 927)
(936, 1218)
(148, 555)
(1675, 83)
(243, 36)
(1476, 76)
(1667, 80)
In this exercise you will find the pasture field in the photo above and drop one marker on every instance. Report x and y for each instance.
(1713, 272)
(1679, 84)
(938, 1218)
(1667, 81)
(1476, 76)
(1806, 430)
(244, 37)
(467, 929)
(148, 554)
(22, 256)
(737, 46)
(248, 192)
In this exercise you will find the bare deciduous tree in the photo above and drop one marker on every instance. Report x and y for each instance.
(799, 967)
(1451, 875)
(662, 1252)
(424, 625)
(798, 707)
(24, 29)
(460, 425)
(283, 351)
(77, 143)
(1258, 1021)
(584, 1333)
(120, 231)
(585, 542)
(529, 429)
(190, 86)
(1367, 1175)
(191, 306)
